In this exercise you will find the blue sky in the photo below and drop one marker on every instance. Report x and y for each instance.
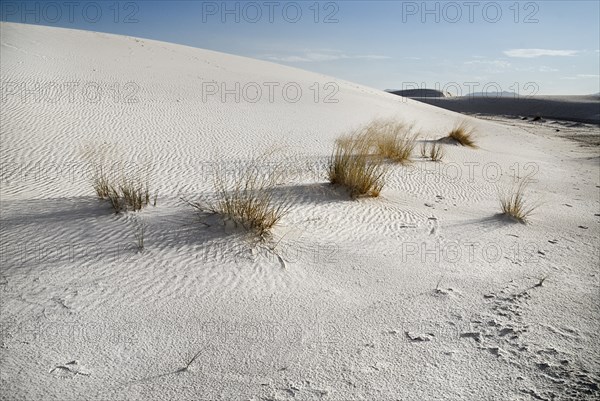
(543, 47)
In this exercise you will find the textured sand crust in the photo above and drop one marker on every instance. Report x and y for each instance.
(424, 293)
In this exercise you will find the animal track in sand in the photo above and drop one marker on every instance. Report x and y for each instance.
(433, 224)
(303, 390)
(550, 374)
(70, 370)
(418, 337)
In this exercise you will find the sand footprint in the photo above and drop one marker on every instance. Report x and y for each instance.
(433, 224)
(69, 370)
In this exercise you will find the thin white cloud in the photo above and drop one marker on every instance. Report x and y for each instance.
(287, 59)
(494, 63)
(542, 68)
(312, 57)
(531, 53)
(583, 76)
(489, 66)
(373, 57)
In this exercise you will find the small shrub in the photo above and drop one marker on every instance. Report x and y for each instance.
(436, 152)
(464, 134)
(122, 193)
(423, 150)
(433, 151)
(99, 168)
(115, 199)
(101, 183)
(513, 203)
(353, 167)
(129, 195)
(140, 232)
(393, 140)
(134, 194)
(250, 199)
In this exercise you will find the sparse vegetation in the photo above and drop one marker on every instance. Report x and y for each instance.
(122, 192)
(135, 195)
(101, 183)
(353, 167)
(513, 203)
(140, 232)
(130, 194)
(423, 150)
(464, 134)
(392, 140)
(436, 152)
(249, 199)
(115, 199)
(433, 151)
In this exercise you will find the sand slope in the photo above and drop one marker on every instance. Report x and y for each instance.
(346, 309)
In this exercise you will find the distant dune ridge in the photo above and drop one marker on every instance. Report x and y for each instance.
(493, 94)
(418, 93)
(584, 109)
(427, 292)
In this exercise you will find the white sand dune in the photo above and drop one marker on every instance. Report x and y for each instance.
(348, 310)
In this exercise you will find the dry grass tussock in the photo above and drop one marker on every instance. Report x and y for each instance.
(353, 167)
(464, 134)
(249, 199)
(124, 191)
(434, 151)
(513, 202)
(129, 194)
(392, 139)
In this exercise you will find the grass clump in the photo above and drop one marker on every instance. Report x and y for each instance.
(111, 183)
(436, 152)
(464, 134)
(513, 203)
(353, 167)
(423, 150)
(249, 199)
(392, 140)
(133, 194)
(101, 183)
(139, 233)
(115, 200)
(130, 194)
